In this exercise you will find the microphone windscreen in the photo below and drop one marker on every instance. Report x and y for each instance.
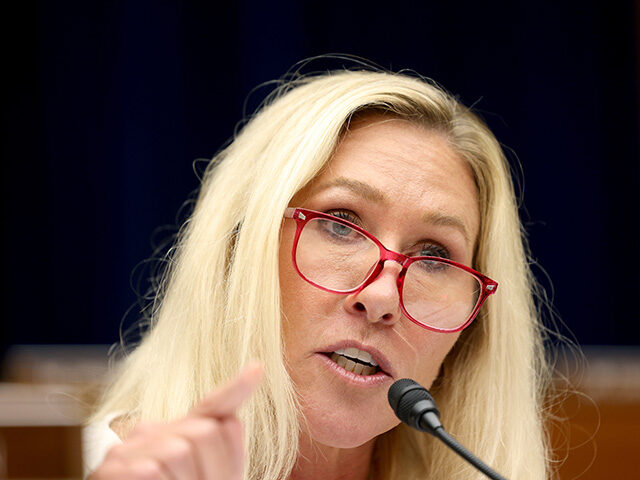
(404, 395)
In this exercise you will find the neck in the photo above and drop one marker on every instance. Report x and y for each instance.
(316, 461)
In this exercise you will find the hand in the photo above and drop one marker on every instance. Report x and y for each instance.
(205, 444)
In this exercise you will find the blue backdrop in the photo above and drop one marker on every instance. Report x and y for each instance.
(109, 103)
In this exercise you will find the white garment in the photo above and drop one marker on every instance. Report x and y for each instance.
(97, 439)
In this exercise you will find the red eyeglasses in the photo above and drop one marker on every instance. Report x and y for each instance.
(337, 256)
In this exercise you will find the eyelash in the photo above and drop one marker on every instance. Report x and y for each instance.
(440, 250)
(347, 215)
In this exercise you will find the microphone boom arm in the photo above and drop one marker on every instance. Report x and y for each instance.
(414, 405)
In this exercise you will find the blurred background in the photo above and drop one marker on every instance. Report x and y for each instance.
(107, 105)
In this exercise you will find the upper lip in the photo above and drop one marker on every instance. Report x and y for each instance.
(377, 355)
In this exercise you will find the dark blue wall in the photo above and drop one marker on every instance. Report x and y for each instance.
(108, 104)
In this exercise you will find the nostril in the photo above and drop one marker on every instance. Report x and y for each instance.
(387, 316)
(359, 307)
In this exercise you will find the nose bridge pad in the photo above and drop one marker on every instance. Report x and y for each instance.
(398, 277)
(379, 266)
(397, 264)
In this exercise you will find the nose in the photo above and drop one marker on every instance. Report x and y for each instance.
(379, 301)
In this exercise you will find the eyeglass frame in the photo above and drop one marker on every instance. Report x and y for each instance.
(302, 216)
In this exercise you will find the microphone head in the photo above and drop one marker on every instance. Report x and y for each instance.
(411, 401)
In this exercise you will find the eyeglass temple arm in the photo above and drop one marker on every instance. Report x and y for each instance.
(288, 212)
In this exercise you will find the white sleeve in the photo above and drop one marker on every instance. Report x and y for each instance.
(97, 439)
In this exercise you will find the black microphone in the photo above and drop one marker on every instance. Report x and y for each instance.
(414, 405)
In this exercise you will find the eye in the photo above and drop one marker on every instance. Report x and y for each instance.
(338, 231)
(347, 215)
(432, 250)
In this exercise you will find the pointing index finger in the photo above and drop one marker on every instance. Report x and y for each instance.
(225, 400)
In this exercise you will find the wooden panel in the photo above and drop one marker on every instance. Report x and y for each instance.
(42, 452)
(40, 431)
(597, 434)
(597, 440)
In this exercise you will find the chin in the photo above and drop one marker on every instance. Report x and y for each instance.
(341, 430)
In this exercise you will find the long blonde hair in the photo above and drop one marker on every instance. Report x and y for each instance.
(219, 303)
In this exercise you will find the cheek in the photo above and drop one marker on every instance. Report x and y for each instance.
(288, 282)
(289, 278)
(305, 311)
(303, 307)
(300, 299)
(429, 353)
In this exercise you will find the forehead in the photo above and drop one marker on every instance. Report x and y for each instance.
(411, 170)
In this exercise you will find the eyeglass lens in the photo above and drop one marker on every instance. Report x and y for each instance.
(339, 258)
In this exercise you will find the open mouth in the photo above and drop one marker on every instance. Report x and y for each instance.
(355, 360)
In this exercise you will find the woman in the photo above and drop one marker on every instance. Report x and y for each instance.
(292, 256)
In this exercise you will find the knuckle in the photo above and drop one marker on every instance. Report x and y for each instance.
(117, 451)
(207, 429)
(108, 469)
(147, 469)
(179, 449)
(234, 428)
(233, 423)
(143, 427)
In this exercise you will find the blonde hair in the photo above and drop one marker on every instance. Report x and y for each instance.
(219, 305)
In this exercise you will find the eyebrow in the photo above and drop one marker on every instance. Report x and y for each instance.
(437, 218)
(361, 189)
(373, 194)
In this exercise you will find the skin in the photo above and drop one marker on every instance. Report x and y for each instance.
(413, 190)
(205, 444)
(422, 182)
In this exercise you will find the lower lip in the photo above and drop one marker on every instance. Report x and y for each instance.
(361, 380)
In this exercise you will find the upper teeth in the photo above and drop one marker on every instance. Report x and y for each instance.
(359, 354)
